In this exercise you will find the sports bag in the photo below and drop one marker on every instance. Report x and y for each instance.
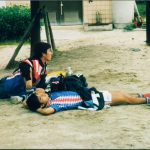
(77, 84)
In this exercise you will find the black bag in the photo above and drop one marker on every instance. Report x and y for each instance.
(97, 98)
(57, 83)
(77, 84)
(69, 83)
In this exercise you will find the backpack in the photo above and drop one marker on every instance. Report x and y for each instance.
(57, 83)
(68, 83)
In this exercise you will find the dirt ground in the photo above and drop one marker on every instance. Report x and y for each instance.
(110, 60)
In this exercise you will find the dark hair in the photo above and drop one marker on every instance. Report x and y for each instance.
(40, 48)
(33, 102)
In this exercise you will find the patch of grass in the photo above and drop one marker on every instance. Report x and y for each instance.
(12, 43)
(129, 27)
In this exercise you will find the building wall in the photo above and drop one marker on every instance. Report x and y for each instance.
(2, 4)
(104, 7)
(122, 13)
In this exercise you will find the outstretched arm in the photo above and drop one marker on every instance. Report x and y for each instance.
(46, 111)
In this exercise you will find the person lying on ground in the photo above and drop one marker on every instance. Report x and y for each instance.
(50, 103)
(31, 73)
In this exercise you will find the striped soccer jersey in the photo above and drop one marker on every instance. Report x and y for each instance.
(64, 100)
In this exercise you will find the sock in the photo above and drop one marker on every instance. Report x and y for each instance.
(147, 100)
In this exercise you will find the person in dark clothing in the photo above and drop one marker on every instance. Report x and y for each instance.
(30, 74)
(33, 70)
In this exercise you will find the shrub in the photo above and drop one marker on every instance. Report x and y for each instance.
(13, 22)
(141, 7)
(129, 27)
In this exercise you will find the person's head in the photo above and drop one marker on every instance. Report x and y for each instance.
(42, 50)
(37, 100)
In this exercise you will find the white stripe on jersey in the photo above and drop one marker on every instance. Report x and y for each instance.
(16, 74)
(29, 62)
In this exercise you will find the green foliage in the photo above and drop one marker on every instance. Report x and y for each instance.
(141, 7)
(41, 22)
(13, 22)
(129, 27)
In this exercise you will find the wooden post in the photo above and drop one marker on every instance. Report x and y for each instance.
(35, 31)
(51, 33)
(148, 22)
(46, 26)
(11, 62)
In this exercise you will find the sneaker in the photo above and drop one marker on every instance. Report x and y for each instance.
(17, 99)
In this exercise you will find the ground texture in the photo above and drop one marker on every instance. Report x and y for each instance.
(110, 60)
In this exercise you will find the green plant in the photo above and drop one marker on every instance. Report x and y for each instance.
(129, 27)
(141, 7)
(13, 22)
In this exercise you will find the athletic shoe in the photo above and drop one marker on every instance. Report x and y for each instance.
(17, 99)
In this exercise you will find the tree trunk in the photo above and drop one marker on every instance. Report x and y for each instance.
(35, 31)
(148, 22)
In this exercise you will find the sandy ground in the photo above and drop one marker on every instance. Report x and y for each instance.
(111, 60)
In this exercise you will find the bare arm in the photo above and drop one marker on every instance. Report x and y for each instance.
(24, 104)
(43, 111)
(26, 72)
(46, 111)
(29, 82)
(39, 90)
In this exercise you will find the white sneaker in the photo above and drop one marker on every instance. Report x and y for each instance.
(16, 99)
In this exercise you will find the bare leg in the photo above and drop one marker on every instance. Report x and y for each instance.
(123, 98)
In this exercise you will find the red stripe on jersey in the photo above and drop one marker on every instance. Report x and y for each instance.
(36, 69)
(66, 99)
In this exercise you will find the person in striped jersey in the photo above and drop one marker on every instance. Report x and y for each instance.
(49, 103)
(30, 74)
